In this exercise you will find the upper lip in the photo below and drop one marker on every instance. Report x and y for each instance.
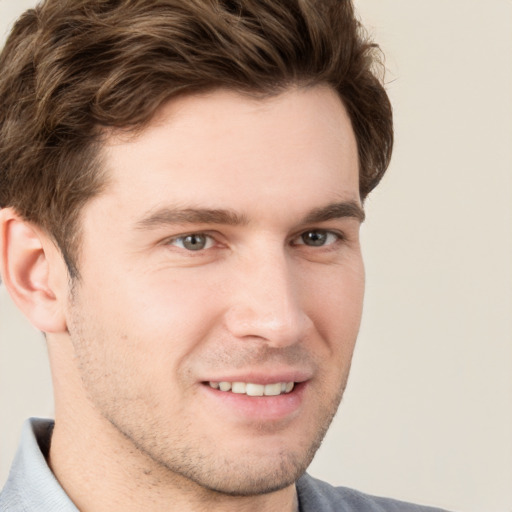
(263, 377)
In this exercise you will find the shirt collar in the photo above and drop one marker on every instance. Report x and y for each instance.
(31, 484)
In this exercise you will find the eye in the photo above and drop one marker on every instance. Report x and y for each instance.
(193, 242)
(317, 238)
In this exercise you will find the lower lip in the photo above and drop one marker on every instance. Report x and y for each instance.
(262, 408)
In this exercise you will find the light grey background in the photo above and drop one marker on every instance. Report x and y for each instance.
(427, 415)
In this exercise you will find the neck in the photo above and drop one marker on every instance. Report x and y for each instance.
(102, 470)
(100, 475)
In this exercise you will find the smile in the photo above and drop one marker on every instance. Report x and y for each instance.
(251, 389)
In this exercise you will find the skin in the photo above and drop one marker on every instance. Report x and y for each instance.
(149, 321)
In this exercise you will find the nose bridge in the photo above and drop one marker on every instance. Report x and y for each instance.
(265, 302)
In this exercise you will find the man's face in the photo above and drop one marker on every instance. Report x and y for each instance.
(225, 249)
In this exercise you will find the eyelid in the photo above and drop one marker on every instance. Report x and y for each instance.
(212, 240)
(340, 236)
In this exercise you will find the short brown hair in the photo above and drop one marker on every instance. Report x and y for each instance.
(73, 67)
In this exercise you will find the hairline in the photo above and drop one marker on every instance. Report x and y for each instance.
(71, 253)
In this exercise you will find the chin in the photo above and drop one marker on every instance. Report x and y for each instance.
(244, 480)
(242, 473)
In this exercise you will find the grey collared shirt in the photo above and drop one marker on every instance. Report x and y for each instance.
(32, 487)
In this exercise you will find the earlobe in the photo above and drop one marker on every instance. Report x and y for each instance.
(27, 265)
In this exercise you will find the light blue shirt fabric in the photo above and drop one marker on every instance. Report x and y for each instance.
(32, 487)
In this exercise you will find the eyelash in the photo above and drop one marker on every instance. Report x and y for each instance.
(298, 240)
(335, 235)
(210, 241)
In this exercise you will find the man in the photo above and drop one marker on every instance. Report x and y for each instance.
(182, 185)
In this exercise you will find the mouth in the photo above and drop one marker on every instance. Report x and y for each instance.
(257, 398)
(253, 389)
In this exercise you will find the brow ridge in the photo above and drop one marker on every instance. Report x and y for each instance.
(166, 216)
(335, 211)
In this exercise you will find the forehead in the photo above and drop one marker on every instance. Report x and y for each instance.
(223, 148)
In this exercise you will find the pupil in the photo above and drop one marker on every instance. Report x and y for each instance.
(194, 242)
(315, 238)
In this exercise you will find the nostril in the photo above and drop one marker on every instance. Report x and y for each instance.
(278, 325)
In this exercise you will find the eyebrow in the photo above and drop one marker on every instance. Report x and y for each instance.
(168, 216)
(335, 211)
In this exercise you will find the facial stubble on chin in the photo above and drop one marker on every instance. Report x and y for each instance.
(174, 458)
(233, 479)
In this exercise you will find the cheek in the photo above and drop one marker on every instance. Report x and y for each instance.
(132, 342)
(335, 303)
(158, 321)
(342, 292)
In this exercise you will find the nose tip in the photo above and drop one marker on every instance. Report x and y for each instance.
(268, 308)
(276, 328)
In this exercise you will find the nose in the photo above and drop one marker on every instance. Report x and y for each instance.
(266, 302)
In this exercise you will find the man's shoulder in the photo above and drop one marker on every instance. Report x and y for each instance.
(318, 496)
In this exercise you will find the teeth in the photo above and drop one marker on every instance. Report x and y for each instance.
(273, 389)
(251, 389)
(255, 389)
(224, 386)
(238, 387)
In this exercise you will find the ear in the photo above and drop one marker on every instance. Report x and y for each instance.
(33, 272)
